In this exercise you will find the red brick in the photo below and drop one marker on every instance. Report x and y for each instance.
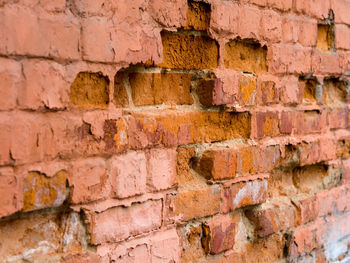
(161, 169)
(267, 124)
(249, 22)
(221, 234)
(290, 29)
(311, 122)
(307, 33)
(271, 26)
(10, 76)
(269, 158)
(89, 180)
(326, 63)
(119, 223)
(224, 17)
(302, 241)
(342, 36)
(267, 91)
(44, 86)
(284, 5)
(128, 174)
(96, 40)
(317, 8)
(289, 59)
(338, 118)
(11, 187)
(273, 217)
(136, 253)
(165, 247)
(309, 209)
(169, 13)
(218, 163)
(290, 91)
(243, 194)
(286, 122)
(340, 9)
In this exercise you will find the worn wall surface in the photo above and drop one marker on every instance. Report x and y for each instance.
(170, 131)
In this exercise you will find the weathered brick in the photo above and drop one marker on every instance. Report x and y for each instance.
(272, 218)
(325, 41)
(268, 92)
(44, 86)
(309, 209)
(224, 17)
(173, 128)
(309, 179)
(290, 91)
(218, 164)
(318, 8)
(248, 27)
(161, 168)
(37, 237)
(248, 90)
(120, 223)
(90, 90)
(198, 16)
(188, 51)
(88, 179)
(334, 92)
(139, 253)
(80, 258)
(128, 174)
(342, 37)
(120, 94)
(343, 148)
(159, 88)
(165, 247)
(286, 122)
(267, 124)
(10, 76)
(194, 201)
(169, 13)
(191, 243)
(307, 33)
(247, 160)
(220, 232)
(244, 55)
(338, 118)
(326, 63)
(40, 191)
(11, 187)
(243, 194)
(340, 8)
(310, 121)
(271, 26)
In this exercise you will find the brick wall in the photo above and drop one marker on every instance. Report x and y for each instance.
(174, 131)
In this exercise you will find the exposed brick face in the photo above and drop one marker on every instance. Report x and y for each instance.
(163, 131)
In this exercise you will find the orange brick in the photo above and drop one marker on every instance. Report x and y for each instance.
(218, 164)
(189, 51)
(159, 88)
(247, 90)
(198, 16)
(267, 124)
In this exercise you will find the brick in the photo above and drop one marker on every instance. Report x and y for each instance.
(309, 179)
(338, 118)
(119, 223)
(189, 51)
(165, 247)
(290, 91)
(160, 88)
(325, 41)
(173, 128)
(307, 33)
(128, 174)
(286, 58)
(218, 164)
(284, 5)
(272, 218)
(310, 122)
(183, 165)
(286, 122)
(340, 10)
(268, 92)
(224, 17)
(10, 75)
(56, 6)
(309, 209)
(317, 8)
(334, 92)
(248, 90)
(169, 13)
(243, 55)
(139, 253)
(309, 90)
(95, 38)
(33, 36)
(194, 201)
(221, 231)
(161, 169)
(267, 124)
(80, 258)
(90, 90)
(44, 86)
(271, 26)
(89, 8)
(290, 29)
(198, 16)
(243, 194)
(191, 243)
(247, 160)
(11, 187)
(89, 180)
(120, 95)
(249, 23)
(343, 148)
(342, 37)
(269, 158)
(326, 63)
(40, 191)
(48, 229)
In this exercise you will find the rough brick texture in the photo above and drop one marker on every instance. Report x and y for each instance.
(168, 131)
